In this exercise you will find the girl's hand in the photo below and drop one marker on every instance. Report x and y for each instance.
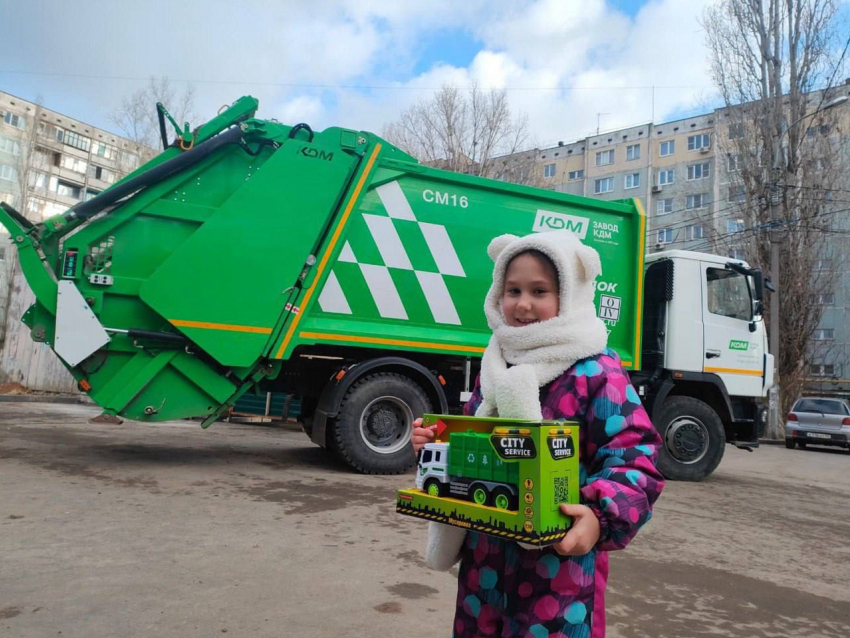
(420, 436)
(584, 533)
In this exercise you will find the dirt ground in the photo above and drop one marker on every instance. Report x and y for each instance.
(171, 531)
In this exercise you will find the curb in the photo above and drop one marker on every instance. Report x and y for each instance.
(771, 441)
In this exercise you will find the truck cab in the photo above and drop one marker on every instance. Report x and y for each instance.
(706, 368)
(433, 464)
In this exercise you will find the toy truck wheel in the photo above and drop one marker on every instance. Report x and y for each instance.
(479, 493)
(503, 499)
(375, 422)
(433, 487)
(692, 438)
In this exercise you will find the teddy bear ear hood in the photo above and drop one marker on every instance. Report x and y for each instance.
(578, 267)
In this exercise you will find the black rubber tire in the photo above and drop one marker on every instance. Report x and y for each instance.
(802, 444)
(790, 443)
(676, 470)
(345, 436)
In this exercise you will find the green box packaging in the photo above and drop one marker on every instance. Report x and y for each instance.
(502, 477)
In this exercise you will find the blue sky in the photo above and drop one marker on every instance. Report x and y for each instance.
(359, 63)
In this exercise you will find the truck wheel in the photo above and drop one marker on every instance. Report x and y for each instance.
(692, 437)
(789, 442)
(375, 422)
(433, 487)
(480, 495)
(503, 499)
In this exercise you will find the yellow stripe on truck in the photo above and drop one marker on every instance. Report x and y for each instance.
(324, 261)
(755, 373)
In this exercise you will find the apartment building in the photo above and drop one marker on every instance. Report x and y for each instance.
(685, 174)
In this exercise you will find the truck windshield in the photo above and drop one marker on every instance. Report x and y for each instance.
(728, 294)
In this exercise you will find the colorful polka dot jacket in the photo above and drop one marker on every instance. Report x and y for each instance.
(505, 590)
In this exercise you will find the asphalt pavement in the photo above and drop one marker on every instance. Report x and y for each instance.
(241, 530)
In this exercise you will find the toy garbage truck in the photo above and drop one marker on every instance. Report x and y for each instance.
(501, 477)
(251, 255)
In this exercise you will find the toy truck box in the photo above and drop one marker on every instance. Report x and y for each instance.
(502, 477)
(255, 256)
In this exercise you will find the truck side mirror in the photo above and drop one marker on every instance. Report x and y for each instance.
(758, 280)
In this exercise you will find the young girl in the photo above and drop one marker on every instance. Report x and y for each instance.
(548, 359)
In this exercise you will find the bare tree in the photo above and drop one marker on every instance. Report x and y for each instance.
(136, 116)
(774, 63)
(468, 131)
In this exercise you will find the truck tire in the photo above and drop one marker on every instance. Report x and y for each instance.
(692, 439)
(372, 431)
(433, 487)
(503, 499)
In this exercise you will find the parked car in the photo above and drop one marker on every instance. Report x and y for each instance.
(818, 420)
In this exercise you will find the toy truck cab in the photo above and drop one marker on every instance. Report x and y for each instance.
(433, 467)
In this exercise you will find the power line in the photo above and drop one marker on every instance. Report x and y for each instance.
(390, 87)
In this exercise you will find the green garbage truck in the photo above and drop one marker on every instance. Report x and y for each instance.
(254, 255)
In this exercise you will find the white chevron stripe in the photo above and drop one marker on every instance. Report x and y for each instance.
(438, 297)
(347, 255)
(388, 242)
(442, 249)
(395, 202)
(332, 298)
(383, 290)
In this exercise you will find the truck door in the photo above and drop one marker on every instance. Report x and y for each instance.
(732, 352)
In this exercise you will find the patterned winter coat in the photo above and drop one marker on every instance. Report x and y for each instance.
(506, 590)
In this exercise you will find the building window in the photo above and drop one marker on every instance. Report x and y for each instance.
(733, 162)
(8, 198)
(633, 152)
(667, 148)
(77, 141)
(91, 194)
(109, 152)
(823, 264)
(604, 185)
(698, 200)
(822, 370)
(604, 158)
(548, 170)
(2, 253)
(66, 189)
(825, 299)
(824, 334)
(699, 171)
(74, 164)
(8, 172)
(695, 232)
(735, 225)
(664, 206)
(18, 121)
(697, 142)
(59, 134)
(8, 145)
(666, 177)
(736, 131)
(823, 129)
(736, 194)
(665, 236)
(632, 180)
(103, 174)
(575, 175)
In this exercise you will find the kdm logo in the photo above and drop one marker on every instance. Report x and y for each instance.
(739, 345)
(546, 221)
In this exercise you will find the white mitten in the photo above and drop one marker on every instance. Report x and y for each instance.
(444, 544)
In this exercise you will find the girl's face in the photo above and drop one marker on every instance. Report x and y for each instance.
(531, 291)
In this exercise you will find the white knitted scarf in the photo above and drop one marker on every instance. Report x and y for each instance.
(519, 361)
